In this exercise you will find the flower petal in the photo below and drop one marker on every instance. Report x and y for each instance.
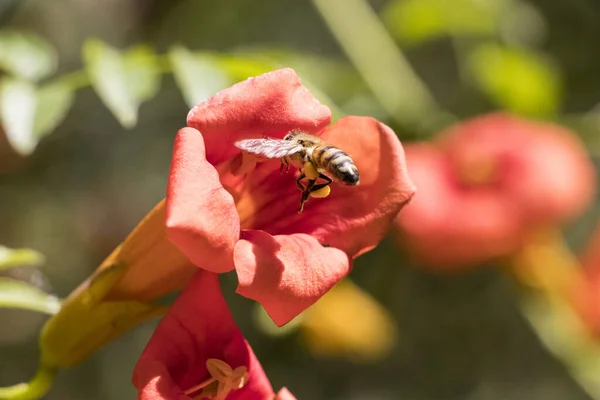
(586, 293)
(446, 226)
(258, 386)
(355, 219)
(286, 273)
(198, 326)
(544, 167)
(558, 180)
(352, 218)
(271, 104)
(586, 300)
(155, 383)
(202, 220)
(152, 265)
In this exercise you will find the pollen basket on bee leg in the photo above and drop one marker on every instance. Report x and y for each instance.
(321, 193)
(310, 171)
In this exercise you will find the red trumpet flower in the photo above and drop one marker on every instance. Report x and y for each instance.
(197, 351)
(485, 183)
(225, 212)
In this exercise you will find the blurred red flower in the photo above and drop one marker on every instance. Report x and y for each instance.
(198, 350)
(224, 215)
(484, 183)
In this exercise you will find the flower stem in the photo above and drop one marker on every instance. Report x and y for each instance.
(34, 389)
(76, 79)
(547, 266)
(382, 65)
(164, 63)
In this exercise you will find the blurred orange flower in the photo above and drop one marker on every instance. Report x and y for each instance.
(485, 183)
(587, 291)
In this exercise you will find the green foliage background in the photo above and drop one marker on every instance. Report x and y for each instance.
(104, 85)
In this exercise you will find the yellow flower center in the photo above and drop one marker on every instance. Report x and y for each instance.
(223, 380)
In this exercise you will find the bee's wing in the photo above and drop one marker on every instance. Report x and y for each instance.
(268, 147)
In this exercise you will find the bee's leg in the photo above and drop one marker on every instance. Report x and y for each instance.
(284, 161)
(321, 185)
(302, 176)
(305, 194)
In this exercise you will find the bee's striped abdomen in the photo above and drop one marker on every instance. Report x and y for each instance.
(337, 163)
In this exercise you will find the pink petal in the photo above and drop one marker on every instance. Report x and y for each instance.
(545, 170)
(446, 226)
(557, 180)
(286, 273)
(270, 104)
(198, 326)
(202, 220)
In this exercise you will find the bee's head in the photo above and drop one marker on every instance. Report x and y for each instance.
(291, 134)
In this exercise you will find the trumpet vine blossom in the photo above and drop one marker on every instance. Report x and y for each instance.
(224, 211)
(198, 352)
(484, 184)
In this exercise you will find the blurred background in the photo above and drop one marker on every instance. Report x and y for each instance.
(94, 161)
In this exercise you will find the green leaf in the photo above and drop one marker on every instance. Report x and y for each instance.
(143, 73)
(18, 103)
(242, 66)
(123, 81)
(19, 257)
(53, 103)
(17, 294)
(518, 80)
(416, 21)
(199, 76)
(26, 56)
(225, 69)
(333, 76)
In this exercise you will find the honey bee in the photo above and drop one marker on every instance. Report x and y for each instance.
(314, 158)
